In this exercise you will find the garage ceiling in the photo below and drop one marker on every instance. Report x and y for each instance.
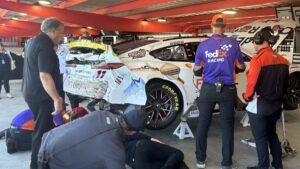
(187, 13)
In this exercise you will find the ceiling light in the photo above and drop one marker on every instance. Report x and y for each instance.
(23, 14)
(229, 12)
(89, 27)
(44, 2)
(14, 18)
(162, 20)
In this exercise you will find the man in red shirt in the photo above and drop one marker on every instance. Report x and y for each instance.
(267, 81)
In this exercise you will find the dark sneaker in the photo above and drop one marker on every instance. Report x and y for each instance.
(200, 164)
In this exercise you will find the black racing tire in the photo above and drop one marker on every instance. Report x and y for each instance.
(292, 97)
(163, 105)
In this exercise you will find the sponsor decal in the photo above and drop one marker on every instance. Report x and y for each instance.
(100, 74)
(171, 71)
(137, 54)
(219, 55)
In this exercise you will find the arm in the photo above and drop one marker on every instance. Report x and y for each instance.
(199, 63)
(49, 85)
(239, 63)
(50, 88)
(46, 65)
(252, 77)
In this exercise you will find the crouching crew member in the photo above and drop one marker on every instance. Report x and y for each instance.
(217, 57)
(93, 142)
(267, 80)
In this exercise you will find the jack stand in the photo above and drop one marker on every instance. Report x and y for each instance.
(183, 130)
(287, 150)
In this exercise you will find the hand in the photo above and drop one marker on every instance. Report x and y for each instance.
(58, 105)
(255, 96)
(247, 99)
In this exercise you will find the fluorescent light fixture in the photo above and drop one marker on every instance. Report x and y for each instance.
(23, 14)
(15, 18)
(44, 2)
(89, 27)
(162, 20)
(229, 12)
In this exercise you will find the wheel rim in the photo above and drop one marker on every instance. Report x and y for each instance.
(293, 91)
(159, 106)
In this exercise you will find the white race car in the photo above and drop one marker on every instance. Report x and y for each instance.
(166, 67)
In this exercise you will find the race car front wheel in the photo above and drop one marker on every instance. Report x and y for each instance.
(292, 98)
(162, 106)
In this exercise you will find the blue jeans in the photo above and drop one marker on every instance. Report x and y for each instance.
(264, 132)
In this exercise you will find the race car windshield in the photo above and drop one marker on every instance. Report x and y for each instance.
(127, 46)
(85, 50)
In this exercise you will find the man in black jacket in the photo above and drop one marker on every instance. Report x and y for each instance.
(267, 80)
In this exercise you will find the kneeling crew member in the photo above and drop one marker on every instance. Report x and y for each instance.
(267, 81)
(217, 57)
(93, 142)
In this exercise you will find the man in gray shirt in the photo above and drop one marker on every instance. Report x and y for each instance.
(92, 142)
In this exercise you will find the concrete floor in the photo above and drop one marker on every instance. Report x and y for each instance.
(244, 155)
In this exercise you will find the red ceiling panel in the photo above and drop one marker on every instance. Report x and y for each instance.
(240, 14)
(88, 19)
(206, 7)
(35, 27)
(130, 6)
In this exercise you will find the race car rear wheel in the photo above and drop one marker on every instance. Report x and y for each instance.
(292, 98)
(162, 106)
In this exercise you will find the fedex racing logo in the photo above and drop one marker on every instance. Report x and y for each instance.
(219, 55)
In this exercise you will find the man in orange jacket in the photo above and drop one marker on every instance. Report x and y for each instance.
(267, 81)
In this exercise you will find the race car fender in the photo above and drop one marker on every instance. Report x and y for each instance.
(150, 76)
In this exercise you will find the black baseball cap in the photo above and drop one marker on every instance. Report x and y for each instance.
(136, 120)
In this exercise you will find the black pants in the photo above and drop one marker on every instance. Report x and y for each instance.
(264, 132)
(43, 123)
(153, 155)
(74, 100)
(4, 79)
(206, 103)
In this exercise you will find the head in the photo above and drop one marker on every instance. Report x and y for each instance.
(264, 38)
(85, 35)
(133, 121)
(2, 47)
(53, 28)
(218, 24)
